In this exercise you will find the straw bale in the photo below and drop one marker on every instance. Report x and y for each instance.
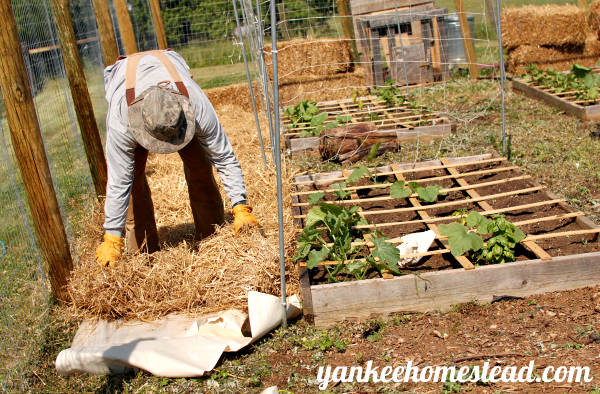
(187, 276)
(309, 57)
(549, 25)
(594, 17)
(557, 58)
(294, 90)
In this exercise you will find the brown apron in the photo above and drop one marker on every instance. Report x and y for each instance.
(205, 198)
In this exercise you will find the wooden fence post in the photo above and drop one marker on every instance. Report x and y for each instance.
(106, 30)
(126, 27)
(81, 96)
(467, 42)
(159, 27)
(29, 150)
(347, 26)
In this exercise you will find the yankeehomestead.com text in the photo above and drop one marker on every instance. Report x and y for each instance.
(435, 374)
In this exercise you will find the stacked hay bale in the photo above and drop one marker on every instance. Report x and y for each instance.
(548, 36)
(308, 69)
(308, 58)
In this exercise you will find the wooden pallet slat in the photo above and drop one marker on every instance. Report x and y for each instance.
(462, 260)
(539, 252)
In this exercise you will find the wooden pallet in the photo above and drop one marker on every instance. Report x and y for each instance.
(326, 304)
(584, 110)
(423, 126)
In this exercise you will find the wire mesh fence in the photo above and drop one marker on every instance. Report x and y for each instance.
(24, 291)
(416, 47)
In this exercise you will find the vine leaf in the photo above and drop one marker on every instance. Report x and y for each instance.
(387, 253)
(414, 186)
(459, 238)
(315, 257)
(315, 198)
(357, 174)
(355, 267)
(398, 190)
(318, 119)
(373, 152)
(428, 193)
(484, 225)
(315, 216)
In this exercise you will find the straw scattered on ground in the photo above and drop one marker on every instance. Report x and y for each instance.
(309, 57)
(188, 276)
(552, 57)
(549, 25)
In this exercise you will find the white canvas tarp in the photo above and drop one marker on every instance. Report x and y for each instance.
(175, 346)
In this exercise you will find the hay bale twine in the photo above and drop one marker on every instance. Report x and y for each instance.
(308, 57)
(548, 25)
(558, 58)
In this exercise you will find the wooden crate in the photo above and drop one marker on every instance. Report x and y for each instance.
(540, 268)
(421, 39)
(423, 126)
(585, 110)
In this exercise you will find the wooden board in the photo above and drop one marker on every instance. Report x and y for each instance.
(591, 112)
(358, 7)
(417, 70)
(376, 297)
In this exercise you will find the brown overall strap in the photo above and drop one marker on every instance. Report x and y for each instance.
(131, 72)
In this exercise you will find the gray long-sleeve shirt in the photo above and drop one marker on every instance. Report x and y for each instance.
(120, 142)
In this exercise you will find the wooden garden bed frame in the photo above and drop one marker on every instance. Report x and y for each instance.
(559, 100)
(406, 124)
(326, 304)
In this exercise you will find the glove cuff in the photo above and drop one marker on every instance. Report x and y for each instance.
(241, 208)
(114, 239)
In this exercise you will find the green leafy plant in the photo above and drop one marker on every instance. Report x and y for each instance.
(303, 112)
(461, 215)
(336, 224)
(398, 190)
(389, 94)
(355, 97)
(499, 247)
(429, 193)
(581, 80)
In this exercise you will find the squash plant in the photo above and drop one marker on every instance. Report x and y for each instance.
(336, 223)
(498, 249)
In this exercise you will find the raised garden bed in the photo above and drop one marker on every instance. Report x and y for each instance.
(564, 100)
(410, 124)
(561, 250)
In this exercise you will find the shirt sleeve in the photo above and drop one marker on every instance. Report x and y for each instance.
(219, 150)
(120, 147)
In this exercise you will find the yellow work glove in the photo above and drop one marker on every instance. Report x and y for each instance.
(109, 251)
(243, 217)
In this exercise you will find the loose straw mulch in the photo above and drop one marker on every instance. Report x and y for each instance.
(293, 90)
(187, 276)
(302, 57)
(549, 25)
(559, 59)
